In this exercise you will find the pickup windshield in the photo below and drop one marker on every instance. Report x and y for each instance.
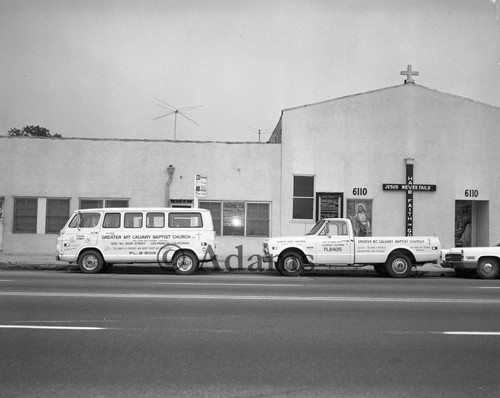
(316, 228)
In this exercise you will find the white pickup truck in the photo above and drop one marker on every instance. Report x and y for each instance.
(483, 261)
(331, 242)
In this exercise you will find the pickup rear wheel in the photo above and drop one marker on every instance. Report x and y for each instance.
(398, 265)
(290, 264)
(488, 268)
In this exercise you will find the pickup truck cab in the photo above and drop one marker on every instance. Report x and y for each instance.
(331, 242)
(466, 261)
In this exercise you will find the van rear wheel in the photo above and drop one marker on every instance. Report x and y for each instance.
(91, 262)
(185, 263)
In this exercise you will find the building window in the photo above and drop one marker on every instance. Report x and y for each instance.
(303, 198)
(239, 218)
(57, 215)
(215, 209)
(257, 219)
(25, 215)
(233, 222)
(100, 203)
(116, 203)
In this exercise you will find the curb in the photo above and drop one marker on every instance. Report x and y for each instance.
(153, 268)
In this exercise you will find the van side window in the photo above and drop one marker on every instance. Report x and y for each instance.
(132, 220)
(155, 220)
(111, 220)
(185, 220)
(85, 220)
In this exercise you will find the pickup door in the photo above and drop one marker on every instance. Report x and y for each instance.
(334, 244)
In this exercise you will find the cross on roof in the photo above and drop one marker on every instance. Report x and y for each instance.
(409, 73)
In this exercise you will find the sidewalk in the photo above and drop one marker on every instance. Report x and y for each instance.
(43, 262)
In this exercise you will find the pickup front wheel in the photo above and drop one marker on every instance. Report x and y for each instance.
(398, 266)
(290, 264)
(487, 268)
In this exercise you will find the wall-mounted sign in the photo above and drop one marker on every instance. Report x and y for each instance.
(329, 205)
(200, 186)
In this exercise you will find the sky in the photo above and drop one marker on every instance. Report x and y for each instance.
(107, 68)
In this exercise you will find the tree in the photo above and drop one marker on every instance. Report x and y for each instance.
(31, 131)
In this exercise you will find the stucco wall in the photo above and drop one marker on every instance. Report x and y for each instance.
(133, 169)
(363, 140)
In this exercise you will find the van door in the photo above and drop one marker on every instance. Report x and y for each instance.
(334, 245)
(82, 231)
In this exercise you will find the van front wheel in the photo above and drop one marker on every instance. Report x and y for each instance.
(185, 263)
(91, 262)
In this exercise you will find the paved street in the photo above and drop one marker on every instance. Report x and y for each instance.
(247, 335)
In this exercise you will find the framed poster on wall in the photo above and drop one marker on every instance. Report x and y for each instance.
(360, 213)
(329, 205)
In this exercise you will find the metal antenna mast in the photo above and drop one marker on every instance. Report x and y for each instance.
(259, 131)
(176, 111)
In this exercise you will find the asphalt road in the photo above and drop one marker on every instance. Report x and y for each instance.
(247, 335)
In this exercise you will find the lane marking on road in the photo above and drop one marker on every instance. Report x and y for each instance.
(472, 333)
(229, 284)
(409, 300)
(51, 327)
(488, 287)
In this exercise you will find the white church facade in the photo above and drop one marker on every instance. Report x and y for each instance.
(402, 160)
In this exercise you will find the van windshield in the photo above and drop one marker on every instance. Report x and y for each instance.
(85, 220)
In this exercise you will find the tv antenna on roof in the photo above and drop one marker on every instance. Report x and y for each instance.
(259, 131)
(175, 111)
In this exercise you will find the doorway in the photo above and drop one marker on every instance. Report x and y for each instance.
(472, 223)
(1, 223)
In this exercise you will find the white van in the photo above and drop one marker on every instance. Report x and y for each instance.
(98, 238)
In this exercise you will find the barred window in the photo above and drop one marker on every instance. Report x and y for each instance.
(25, 215)
(239, 218)
(303, 198)
(257, 219)
(57, 215)
(215, 209)
(100, 203)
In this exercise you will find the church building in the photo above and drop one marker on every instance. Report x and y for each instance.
(402, 160)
